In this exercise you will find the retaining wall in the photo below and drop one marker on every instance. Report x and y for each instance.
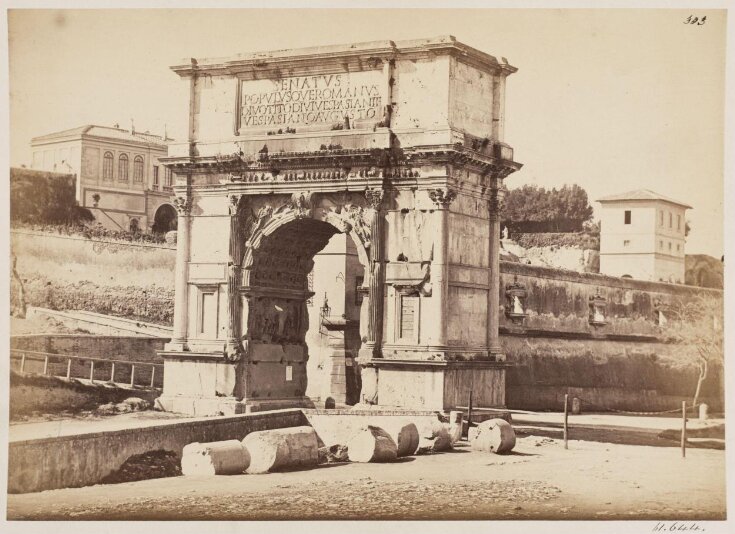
(625, 364)
(85, 459)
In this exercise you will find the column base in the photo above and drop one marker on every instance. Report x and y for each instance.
(213, 406)
(176, 346)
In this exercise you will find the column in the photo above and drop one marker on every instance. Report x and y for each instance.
(181, 288)
(233, 349)
(376, 291)
(493, 298)
(439, 265)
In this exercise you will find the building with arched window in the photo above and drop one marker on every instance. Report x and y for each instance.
(119, 167)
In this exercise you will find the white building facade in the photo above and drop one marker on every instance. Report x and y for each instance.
(119, 178)
(643, 236)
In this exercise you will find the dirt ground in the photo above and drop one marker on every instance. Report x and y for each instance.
(539, 480)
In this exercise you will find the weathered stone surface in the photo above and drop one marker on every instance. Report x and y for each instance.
(333, 454)
(455, 426)
(137, 403)
(371, 444)
(434, 437)
(228, 457)
(281, 449)
(494, 435)
(404, 434)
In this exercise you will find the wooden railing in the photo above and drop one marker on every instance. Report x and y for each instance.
(122, 372)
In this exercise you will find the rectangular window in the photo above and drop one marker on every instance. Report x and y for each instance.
(661, 218)
(155, 177)
(678, 247)
(678, 222)
(627, 216)
(669, 246)
(660, 245)
(671, 225)
(168, 179)
(626, 242)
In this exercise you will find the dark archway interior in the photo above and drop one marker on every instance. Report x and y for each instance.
(165, 219)
(285, 258)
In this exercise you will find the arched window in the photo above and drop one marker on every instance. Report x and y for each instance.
(122, 168)
(138, 169)
(107, 166)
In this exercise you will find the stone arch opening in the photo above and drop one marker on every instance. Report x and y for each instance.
(165, 219)
(283, 318)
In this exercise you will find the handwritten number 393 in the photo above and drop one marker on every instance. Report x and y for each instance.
(695, 20)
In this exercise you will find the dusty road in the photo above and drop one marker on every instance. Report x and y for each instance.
(540, 480)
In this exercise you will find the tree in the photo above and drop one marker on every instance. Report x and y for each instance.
(698, 323)
(531, 208)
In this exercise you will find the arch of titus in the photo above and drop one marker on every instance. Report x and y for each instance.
(398, 144)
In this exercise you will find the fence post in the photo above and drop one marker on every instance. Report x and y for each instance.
(683, 429)
(68, 368)
(45, 365)
(132, 375)
(566, 420)
(23, 362)
(153, 374)
(91, 371)
(112, 373)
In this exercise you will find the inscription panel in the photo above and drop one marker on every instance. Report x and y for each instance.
(317, 102)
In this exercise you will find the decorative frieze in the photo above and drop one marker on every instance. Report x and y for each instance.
(442, 197)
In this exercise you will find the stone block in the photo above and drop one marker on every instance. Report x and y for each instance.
(434, 437)
(228, 457)
(493, 435)
(405, 435)
(282, 449)
(371, 444)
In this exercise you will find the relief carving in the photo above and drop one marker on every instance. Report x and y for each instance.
(442, 197)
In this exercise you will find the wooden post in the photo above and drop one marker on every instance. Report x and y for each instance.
(153, 374)
(68, 368)
(91, 370)
(566, 421)
(132, 375)
(469, 414)
(683, 429)
(45, 365)
(112, 372)
(22, 362)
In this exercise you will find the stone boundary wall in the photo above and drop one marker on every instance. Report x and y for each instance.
(85, 459)
(50, 394)
(112, 243)
(625, 364)
(128, 348)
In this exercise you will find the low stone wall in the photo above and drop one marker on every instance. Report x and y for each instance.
(50, 394)
(85, 459)
(625, 364)
(604, 375)
(128, 348)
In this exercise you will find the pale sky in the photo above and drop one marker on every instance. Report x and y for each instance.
(613, 100)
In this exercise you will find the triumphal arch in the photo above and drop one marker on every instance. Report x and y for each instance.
(398, 145)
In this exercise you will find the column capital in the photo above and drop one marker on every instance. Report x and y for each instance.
(233, 203)
(442, 197)
(374, 198)
(183, 205)
(496, 202)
